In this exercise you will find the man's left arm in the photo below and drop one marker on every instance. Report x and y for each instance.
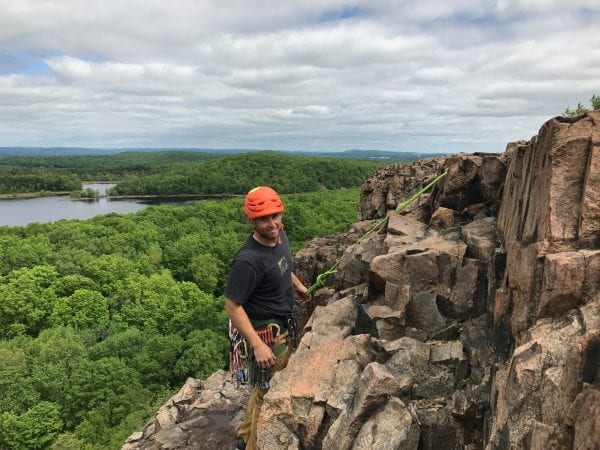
(299, 287)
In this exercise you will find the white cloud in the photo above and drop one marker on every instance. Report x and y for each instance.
(426, 75)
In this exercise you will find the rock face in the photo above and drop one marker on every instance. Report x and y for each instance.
(202, 415)
(550, 227)
(472, 321)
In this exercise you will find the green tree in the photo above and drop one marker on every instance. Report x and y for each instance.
(83, 309)
(26, 300)
(68, 441)
(30, 251)
(68, 284)
(105, 389)
(53, 356)
(204, 269)
(580, 109)
(36, 428)
(179, 255)
(125, 344)
(157, 358)
(150, 302)
(70, 260)
(206, 352)
(17, 394)
(202, 312)
(109, 272)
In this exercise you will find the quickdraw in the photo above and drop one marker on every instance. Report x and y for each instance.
(293, 336)
(242, 363)
(260, 377)
(238, 355)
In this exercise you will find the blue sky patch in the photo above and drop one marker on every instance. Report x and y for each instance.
(342, 14)
(22, 63)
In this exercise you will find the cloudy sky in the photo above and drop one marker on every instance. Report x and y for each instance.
(422, 75)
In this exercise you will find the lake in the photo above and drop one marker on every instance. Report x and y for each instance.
(22, 211)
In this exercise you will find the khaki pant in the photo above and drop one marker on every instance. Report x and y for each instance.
(247, 431)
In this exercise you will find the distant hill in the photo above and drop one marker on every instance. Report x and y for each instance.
(376, 155)
(236, 174)
(390, 156)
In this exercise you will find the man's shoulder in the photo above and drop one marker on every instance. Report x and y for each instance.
(247, 252)
(286, 242)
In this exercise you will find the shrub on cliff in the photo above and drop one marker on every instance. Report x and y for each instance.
(580, 109)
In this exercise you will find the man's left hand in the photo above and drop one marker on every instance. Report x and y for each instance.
(303, 299)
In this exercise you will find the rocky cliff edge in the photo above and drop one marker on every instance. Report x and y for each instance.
(472, 321)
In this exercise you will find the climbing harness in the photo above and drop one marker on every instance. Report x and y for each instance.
(320, 281)
(242, 363)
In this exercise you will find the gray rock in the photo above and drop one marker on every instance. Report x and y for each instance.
(442, 218)
(390, 428)
(480, 237)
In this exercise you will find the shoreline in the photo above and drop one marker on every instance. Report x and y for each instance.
(144, 196)
(26, 195)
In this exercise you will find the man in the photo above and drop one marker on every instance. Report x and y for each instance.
(260, 298)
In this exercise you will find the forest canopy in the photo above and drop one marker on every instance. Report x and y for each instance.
(237, 174)
(104, 167)
(182, 173)
(103, 319)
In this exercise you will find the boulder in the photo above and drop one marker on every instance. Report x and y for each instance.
(480, 237)
(468, 294)
(590, 314)
(583, 364)
(405, 225)
(394, 184)
(460, 188)
(439, 427)
(422, 312)
(381, 321)
(334, 321)
(354, 264)
(392, 427)
(423, 268)
(375, 387)
(524, 269)
(591, 284)
(207, 412)
(315, 388)
(412, 359)
(562, 286)
(584, 415)
(442, 218)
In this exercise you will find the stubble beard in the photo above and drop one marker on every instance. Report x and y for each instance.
(269, 237)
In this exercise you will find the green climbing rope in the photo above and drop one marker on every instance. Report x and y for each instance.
(320, 281)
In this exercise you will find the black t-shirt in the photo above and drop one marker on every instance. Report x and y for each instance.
(261, 279)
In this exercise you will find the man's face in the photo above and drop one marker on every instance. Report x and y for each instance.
(267, 226)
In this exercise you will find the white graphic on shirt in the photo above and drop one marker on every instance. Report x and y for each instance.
(283, 265)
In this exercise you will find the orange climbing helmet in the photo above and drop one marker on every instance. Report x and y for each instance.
(262, 201)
